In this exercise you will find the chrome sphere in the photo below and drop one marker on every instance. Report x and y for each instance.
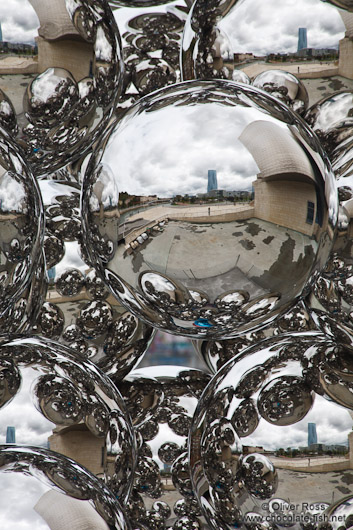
(21, 234)
(46, 490)
(215, 353)
(161, 401)
(254, 30)
(286, 87)
(330, 118)
(204, 230)
(275, 416)
(74, 62)
(151, 39)
(79, 310)
(241, 77)
(51, 398)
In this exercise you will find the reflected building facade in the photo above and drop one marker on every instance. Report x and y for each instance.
(312, 434)
(302, 39)
(11, 435)
(212, 180)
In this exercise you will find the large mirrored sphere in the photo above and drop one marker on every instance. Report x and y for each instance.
(161, 400)
(44, 490)
(48, 398)
(22, 226)
(78, 310)
(272, 433)
(209, 209)
(59, 96)
(263, 36)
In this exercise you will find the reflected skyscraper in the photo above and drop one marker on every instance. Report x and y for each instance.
(212, 180)
(11, 435)
(302, 39)
(312, 435)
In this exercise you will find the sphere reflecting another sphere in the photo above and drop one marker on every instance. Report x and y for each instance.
(275, 424)
(210, 209)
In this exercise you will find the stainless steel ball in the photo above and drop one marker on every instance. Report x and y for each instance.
(229, 237)
(47, 490)
(73, 59)
(52, 399)
(286, 404)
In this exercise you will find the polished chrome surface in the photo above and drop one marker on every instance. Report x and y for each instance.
(249, 436)
(21, 234)
(253, 31)
(52, 397)
(151, 44)
(71, 96)
(45, 490)
(216, 353)
(330, 118)
(200, 263)
(240, 77)
(79, 310)
(161, 401)
(284, 86)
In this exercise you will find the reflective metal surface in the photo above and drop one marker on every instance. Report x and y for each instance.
(330, 118)
(69, 96)
(173, 241)
(21, 233)
(284, 86)
(46, 490)
(52, 398)
(250, 441)
(161, 401)
(220, 35)
(151, 39)
(217, 353)
(79, 311)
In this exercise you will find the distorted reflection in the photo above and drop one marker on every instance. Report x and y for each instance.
(151, 39)
(254, 37)
(45, 490)
(228, 236)
(161, 401)
(69, 97)
(79, 311)
(21, 219)
(54, 400)
(288, 399)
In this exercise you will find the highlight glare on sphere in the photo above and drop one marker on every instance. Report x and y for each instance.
(209, 208)
(274, 394)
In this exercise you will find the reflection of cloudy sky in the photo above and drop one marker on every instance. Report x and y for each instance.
(333, 424)
(32, 428)
(169, 151)
(16, 506)
(19, 21)
(12, 194)
(71, 260)
(263, 26)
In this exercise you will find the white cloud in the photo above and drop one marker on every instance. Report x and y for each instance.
(169, 151)
(19, 21)
(262, 27)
